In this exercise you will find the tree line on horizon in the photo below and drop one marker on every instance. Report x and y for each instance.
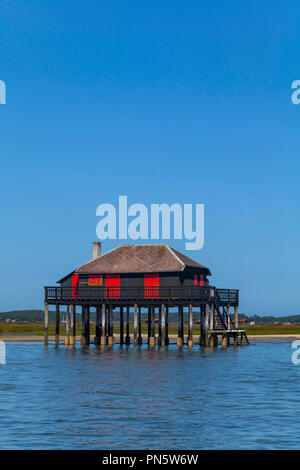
(38, 316)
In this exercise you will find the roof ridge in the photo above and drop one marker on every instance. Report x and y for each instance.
(176, 256)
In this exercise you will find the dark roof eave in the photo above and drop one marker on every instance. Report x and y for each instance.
(65, 277)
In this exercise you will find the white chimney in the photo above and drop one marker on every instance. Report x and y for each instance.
(96, 250)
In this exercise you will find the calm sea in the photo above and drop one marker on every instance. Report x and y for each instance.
(63, 398)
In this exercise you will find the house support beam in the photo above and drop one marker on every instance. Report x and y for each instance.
(46, 324)
(180, 327)
(85, 333)
(152, 339)
(121, 326)
(190, 327)
(149, 324)
(98, 335)
(73, 325)
(127, 337)
(103, 337)
(225, 341)
(140, 338)
(236, 317)
(110, 339)
(67, 337)
(57, 324)
(167, 326)
(135, 324)
(162, 325)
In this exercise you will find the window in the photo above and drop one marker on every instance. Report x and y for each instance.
(95, 280)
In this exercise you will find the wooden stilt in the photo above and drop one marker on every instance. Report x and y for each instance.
(57, 324)
(140, 338)
(162, 325)
(167, 326)
(87, 325)
(110, 339)
(135, 324)
(211, 317)
(236, 317)
(73, 325)
(127, 338)
(152, 337)
(153, 322)
(190, 327)
(46, 326)
(103, 337)
(83, 325)
(149, 324)
(159, 326)
(224, 341)
(121, 326)
(206, 318)
(67, 337)
(106, 322)
(228, 317)
(98, 325)
(201, 319)
(180, 326)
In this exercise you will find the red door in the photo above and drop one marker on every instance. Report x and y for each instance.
(151, 284)
(112, 285)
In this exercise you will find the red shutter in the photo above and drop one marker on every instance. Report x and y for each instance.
(151, 284)
(201, 280)
(195, 280)
(112, 284)
(74, 285)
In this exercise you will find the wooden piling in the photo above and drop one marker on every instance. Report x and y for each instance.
(224, 341)
(228, 317)
(110, 336)
(127, 338)
(162, 325)
(206, 324)
(180, 326)
(159, 326)
(211, 317)
(83, 324)
(46, 326)
(153, 322)
(87, 325)
(135, 324)
(67, 337)
(149, 324)
(121, 326)
(167, 326)
(190, 327)
(103, 337)
(152, 339)
(73, 325)
(140, 338)
(57, 324)
(236, 317)
(98, 326)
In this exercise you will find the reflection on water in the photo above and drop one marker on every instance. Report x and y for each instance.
(63, 398)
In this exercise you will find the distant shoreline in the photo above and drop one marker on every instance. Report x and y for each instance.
(172, 338)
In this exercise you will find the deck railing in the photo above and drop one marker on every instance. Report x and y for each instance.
(171, 293)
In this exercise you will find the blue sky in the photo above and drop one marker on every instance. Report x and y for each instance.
(167, 101)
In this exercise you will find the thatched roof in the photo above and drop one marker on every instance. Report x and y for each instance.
(140, 259)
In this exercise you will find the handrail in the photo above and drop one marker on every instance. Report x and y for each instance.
(203, 293)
